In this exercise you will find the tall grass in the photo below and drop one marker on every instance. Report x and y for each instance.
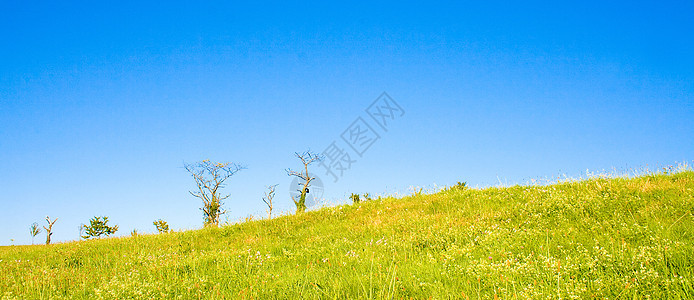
(594, 238)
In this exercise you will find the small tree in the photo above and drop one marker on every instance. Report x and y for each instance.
(49, 229)
(98, 226)
(269, 195)
(162, 226)
(355, 198)
(210, 177)
(34, 230)
(460, 186)
(306, 159)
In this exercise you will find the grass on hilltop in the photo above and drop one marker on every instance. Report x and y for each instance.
(596, 238)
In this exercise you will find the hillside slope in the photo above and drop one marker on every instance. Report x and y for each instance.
(604, 238)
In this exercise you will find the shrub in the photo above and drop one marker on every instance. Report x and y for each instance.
(460, 186)
(162, 226)
(355, 198)
(98, 226)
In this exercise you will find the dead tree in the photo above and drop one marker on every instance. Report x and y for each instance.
(306, 158)
(209, 178)
(49, 229)
(81, 229)
(268, 199)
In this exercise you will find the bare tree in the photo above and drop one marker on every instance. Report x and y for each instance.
(306, 158)
(49, 229)
(34, 230)
(81, 229)
(210, 177)
(269, 195)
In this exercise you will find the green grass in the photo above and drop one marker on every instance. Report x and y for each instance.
(596, 238)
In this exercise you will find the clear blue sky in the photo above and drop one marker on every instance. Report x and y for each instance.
(101, 103)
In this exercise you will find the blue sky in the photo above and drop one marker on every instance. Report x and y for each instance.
(102, 103)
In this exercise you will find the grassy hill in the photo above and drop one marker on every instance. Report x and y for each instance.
(597, 238)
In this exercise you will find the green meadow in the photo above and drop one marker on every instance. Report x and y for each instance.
(602, 238)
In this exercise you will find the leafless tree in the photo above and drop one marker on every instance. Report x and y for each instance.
(209, 178)
(306, 158)
(269, 195)
(49, 229)
(81, 229)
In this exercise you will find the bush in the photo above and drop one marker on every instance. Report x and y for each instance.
(162, 226)
(98, 226)
(355, 198)
(460, 186)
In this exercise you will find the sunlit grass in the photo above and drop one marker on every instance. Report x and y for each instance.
(600, 237)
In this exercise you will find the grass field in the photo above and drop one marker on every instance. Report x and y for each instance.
(605, 238)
